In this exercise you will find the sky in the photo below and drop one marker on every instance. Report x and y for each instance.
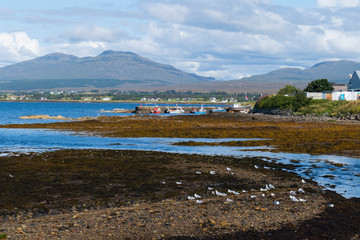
(224, 39)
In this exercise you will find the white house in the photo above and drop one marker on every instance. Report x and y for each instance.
(346, 95)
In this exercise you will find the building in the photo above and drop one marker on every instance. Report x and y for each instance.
(354, 82)
(339, 86)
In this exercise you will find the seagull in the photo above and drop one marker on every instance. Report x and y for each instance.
(198, 172)
(270, 186)
(256, 166)
(272, 194)
(220, 193)
(303, 181)
(212, 172)
(199, 201)
(233, 192)
(163, 182)
(263, 195)
(301, 190)
(197, 196)
(292, 193)
(253, 196)
(302, 200)
(178, 183)
(228, 169)
(190, 198)
(229, 200)
(10, 175)
(244, 191)
(294, 199)
(210, 188)
(276, 202)
(330, 205)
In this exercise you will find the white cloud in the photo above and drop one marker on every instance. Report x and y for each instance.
(167, 12)
(17, 46)
(338, 3)
(80, 49)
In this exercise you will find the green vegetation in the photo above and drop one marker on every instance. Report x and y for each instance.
(301, 105)
(332, 108)
(3, 236)
(288, 90)
(294, 102)
(319, 85)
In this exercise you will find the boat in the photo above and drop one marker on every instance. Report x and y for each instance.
(156, 110)
(174, 110)
(238, 108)
(201, 110)
(218, 109)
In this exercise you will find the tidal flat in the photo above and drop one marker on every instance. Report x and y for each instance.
(121, 194)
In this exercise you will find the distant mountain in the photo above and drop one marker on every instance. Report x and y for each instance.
(110, 69)
(334, 71)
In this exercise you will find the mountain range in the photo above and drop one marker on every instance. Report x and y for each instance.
(127, 70)
(108, 70)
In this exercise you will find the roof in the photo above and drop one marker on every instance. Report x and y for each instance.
(354, 82)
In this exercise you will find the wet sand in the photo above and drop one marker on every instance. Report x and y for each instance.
(109, 194)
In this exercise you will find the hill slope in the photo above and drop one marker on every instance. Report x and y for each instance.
(109, 69)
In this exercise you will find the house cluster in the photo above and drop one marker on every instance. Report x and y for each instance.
(214, 100)
(350, 92)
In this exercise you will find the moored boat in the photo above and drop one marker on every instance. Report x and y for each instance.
(238, 108)
(218, 109)
(201, 110)
(174, 110)
(156, 110)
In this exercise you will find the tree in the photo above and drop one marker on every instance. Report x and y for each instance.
(319, 85)
(288, 90)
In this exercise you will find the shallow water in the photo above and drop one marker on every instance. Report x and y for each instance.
(11, 111)
(319, 168)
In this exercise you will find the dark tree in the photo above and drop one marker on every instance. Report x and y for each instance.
(319, 85)
(288, 90)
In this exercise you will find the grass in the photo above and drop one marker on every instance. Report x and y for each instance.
(331, 108)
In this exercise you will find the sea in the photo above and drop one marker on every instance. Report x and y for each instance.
(336, 173)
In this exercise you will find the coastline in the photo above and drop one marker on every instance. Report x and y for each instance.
(69, 194)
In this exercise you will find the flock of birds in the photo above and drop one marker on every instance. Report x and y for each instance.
(268, 187)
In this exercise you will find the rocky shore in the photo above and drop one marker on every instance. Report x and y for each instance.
(70, 194)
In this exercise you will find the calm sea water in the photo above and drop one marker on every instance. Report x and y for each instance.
(343, 178)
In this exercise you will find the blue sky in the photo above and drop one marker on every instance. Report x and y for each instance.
(226, 39)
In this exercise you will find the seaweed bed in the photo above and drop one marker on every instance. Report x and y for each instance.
(88, 194)
(109, 194)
